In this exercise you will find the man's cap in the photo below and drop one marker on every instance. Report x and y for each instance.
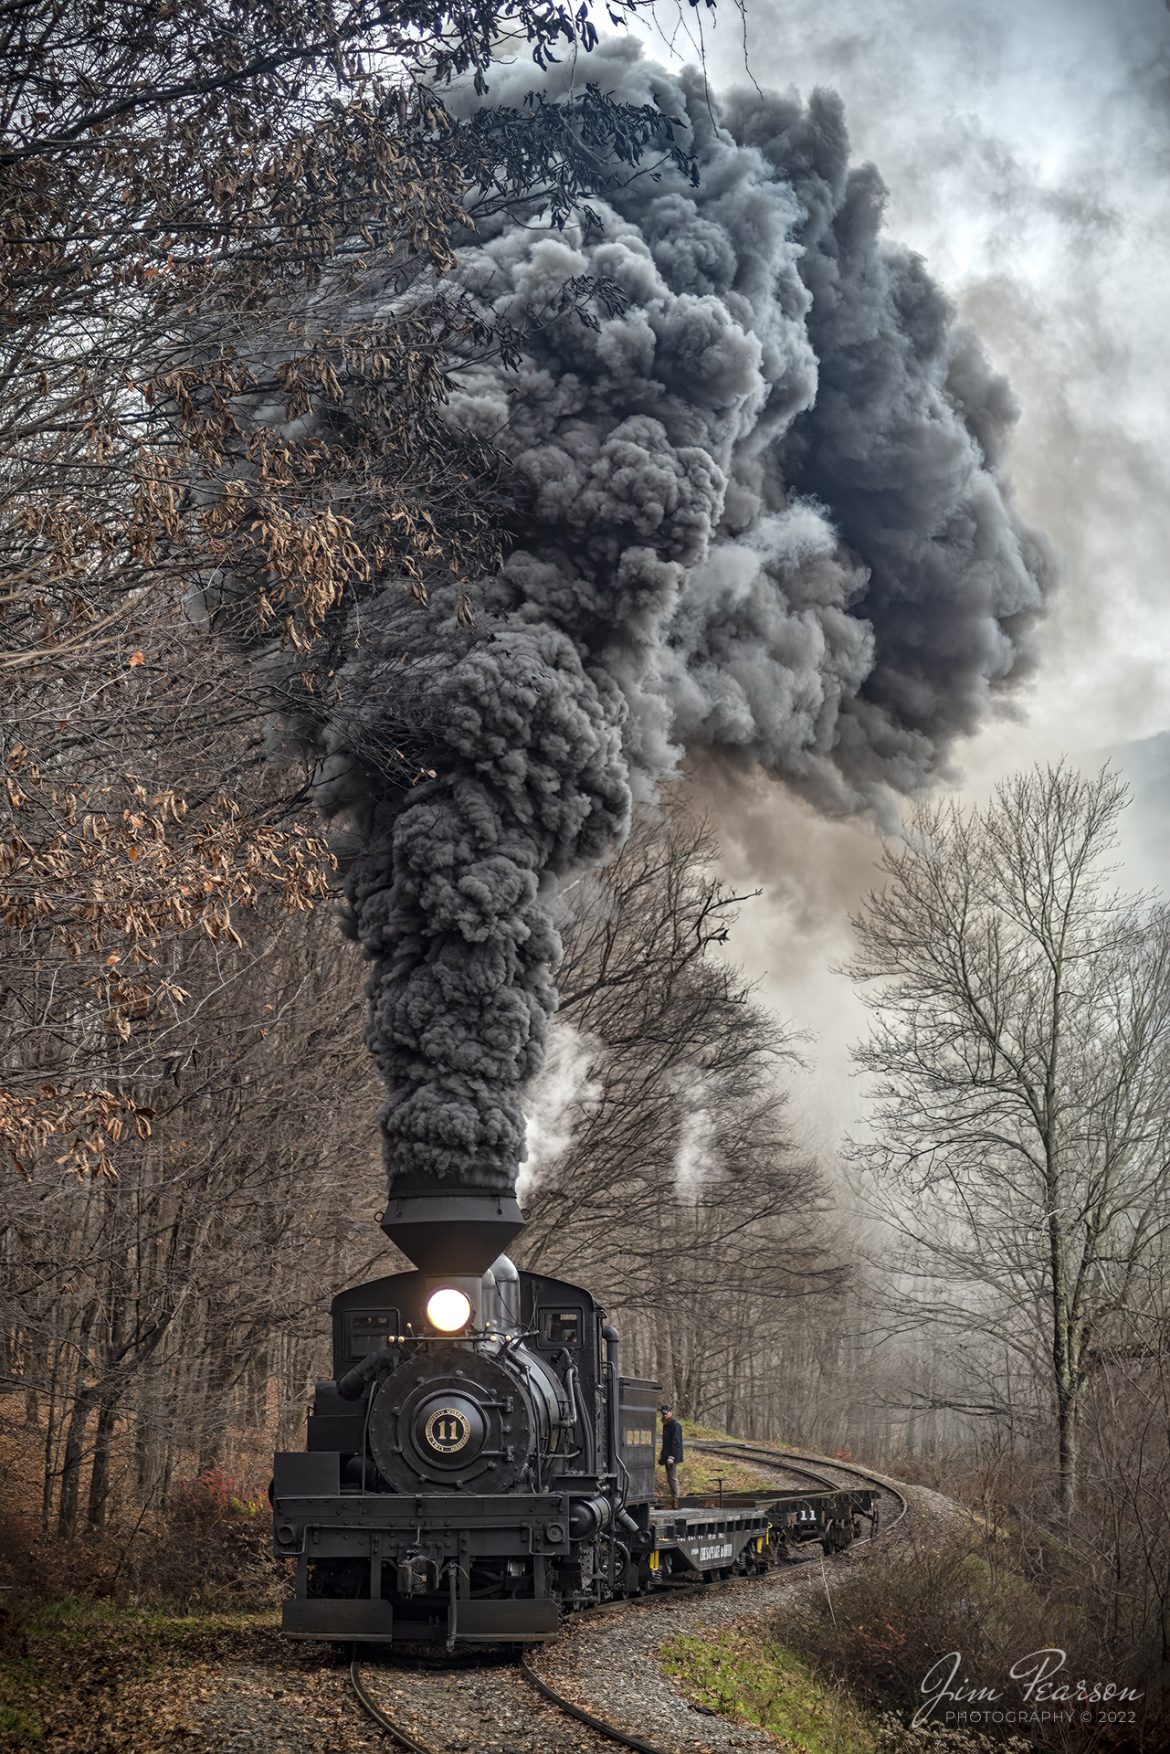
(667, 1407)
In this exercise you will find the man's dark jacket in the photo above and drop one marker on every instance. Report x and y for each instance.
(671, 1442)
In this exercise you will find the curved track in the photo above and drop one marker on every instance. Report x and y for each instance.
(382, 1718)
(583, 1717)
(781, 1461)
(801, 1477)
(801, 1469)
(408, 1739)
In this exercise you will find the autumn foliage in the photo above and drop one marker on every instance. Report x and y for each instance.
(208, 452)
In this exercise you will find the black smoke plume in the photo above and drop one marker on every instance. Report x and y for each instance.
(760, 513)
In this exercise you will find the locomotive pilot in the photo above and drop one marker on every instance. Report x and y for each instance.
(672, 1450)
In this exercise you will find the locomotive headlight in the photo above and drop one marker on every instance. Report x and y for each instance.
(448, 1309)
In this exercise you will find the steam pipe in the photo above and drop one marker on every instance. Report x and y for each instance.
(613, 1370)
(581, 1419)
(353, 1384)
(491, 1307)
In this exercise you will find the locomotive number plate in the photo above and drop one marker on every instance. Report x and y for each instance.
(447, 1430)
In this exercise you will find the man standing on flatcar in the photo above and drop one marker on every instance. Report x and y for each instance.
(672, 1450)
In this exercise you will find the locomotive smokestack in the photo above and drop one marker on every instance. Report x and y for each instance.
(451, 1230)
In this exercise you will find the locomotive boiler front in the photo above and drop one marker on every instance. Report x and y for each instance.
(484, 1416)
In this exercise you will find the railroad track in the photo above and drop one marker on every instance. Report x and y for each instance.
(381, 1717)
(408, 1739)
(780, 1461)
(796, 1466)
(777, 1463)
(596, 1724)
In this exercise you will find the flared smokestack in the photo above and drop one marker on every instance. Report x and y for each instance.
(449, 1230)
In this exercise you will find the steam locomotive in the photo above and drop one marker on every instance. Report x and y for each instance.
(478, 1463)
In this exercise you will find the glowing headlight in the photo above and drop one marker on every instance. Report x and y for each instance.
(448, 1310)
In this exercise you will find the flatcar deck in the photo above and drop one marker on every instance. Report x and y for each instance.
(712, 1534)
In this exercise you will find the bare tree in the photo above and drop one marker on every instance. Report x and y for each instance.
(191, 191)
(1123, 1553)
(1020, 1051)
(683, 1198)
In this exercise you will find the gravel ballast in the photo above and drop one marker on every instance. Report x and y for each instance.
(298, 1700)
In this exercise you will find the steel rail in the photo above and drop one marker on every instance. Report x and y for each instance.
(383, 1720)
(736, 1450)
(710, 1446)
(777, 1461)
(609, 1731)
(406, 1740)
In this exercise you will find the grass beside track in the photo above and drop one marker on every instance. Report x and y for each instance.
(71, 1658)
(702, 1473)
(744, 1675)
(69, 1663)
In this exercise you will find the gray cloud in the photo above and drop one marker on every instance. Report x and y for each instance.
(1026, 152)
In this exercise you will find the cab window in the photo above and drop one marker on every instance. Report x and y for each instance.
(561, 1327)
(369, 1329)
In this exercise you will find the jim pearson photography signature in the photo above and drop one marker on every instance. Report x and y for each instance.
(951, 1695)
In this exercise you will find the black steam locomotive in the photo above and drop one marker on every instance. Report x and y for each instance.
(478, 1462)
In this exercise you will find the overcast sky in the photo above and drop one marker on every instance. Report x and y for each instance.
(1026, 147)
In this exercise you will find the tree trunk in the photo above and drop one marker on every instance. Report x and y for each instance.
(83, 1399)
(99, 1480)
(1067, 1418)
(213, 1424)
(50, 1442)
(70, 1487)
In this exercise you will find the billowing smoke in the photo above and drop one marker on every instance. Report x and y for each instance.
(761, 514)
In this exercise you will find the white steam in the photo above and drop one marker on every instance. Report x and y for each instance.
(697, 1159)
(566, 1089)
